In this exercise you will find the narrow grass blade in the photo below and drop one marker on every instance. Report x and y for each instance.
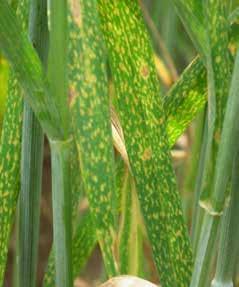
(229, 233)
(91, 118)
(143, 121)
(226, 153)
(32, 159)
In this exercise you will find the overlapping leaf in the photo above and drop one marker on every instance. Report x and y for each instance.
(143, 120)
(91, 120)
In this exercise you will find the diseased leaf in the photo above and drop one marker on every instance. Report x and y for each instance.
(91, 121)
(10, 150)
(29, 72)
(10, 155)
(185, 99)
(143, 120)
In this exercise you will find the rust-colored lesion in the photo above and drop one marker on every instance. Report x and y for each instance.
(144, 71)
(147, 154)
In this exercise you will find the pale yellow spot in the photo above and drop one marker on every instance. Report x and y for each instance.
(218, 59)
(94, 178)
(72, 94)
(75, 10)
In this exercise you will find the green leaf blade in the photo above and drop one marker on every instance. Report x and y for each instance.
(91, 120)
(10, 150)
(143, 121)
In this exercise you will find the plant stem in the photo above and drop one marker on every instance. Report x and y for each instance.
(61, 150)
(61, 195)
(31, 165)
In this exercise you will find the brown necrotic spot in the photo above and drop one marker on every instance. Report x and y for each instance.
(144, 71)
(147, 154)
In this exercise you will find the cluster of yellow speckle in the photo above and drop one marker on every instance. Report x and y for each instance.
(10, 150)
(185, 99)
(143, 119)
(91, 117)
